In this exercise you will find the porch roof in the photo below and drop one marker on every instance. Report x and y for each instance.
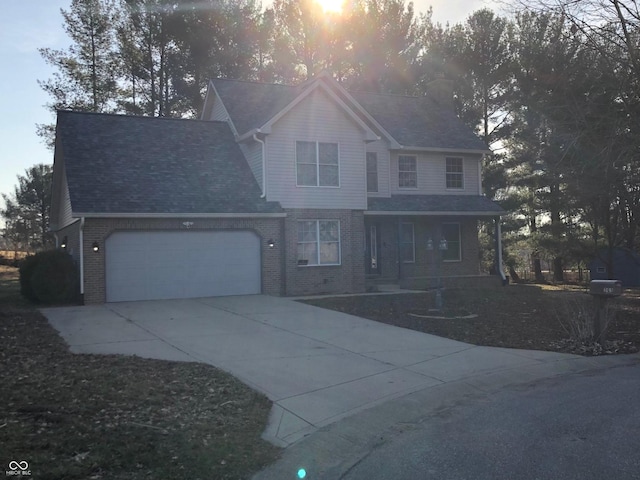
(467, 205)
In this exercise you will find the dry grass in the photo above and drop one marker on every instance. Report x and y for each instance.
(516, 316)
(117, 417)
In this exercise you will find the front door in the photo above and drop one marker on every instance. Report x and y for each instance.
(373, 249)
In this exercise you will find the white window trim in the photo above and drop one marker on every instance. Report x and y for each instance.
(413, 242)
(415, 157)
(317, 222)
(455, 189)
(377, 185)
(459, 259)
(317, 163)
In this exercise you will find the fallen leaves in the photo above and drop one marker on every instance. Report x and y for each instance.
(117, 417)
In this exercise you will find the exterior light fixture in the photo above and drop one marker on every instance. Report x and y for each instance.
(429, 244)
(63, 245)
(271, 243)
(443, 245)
(96, 247)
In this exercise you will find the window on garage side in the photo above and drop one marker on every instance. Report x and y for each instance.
(317, 164)
(451, 233)
(455, 173)
(319, 242)
(407, 171)
(408, 247)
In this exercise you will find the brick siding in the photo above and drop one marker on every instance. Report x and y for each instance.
(98, 230)
(348, 277)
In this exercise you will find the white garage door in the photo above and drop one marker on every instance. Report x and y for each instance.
(185, 264)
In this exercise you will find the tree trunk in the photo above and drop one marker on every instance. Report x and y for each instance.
(537, 268)
(515, 278)
(558, 270)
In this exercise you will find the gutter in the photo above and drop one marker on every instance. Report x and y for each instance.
(179, 215)
(82, 257)
(432, 214)
(459, 151)
(499, 251)
(264, 165)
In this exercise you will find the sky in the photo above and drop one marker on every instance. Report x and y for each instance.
(26, 25)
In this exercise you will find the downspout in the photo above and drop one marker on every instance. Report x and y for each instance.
(499, 251)
(264, 165)
(82, 258)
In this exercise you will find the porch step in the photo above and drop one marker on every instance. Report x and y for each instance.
(387, 287)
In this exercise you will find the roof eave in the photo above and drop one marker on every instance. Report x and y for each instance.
(474, 151)
(435, 213)
(177, 215)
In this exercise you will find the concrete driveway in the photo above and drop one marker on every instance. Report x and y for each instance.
(316, 365)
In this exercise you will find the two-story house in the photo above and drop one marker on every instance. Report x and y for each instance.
(283, 190)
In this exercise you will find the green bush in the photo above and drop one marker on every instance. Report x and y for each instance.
(27, 266)
(49, 277)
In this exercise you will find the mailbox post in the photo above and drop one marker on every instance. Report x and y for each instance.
(603, 290)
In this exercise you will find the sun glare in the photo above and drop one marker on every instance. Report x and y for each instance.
(334, 6)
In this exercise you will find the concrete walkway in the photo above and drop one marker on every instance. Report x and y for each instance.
(316, 365)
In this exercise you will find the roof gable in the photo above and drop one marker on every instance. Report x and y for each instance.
(406, 122)
(250, 104)
(124, 164)
(418, 122)
(258, 106)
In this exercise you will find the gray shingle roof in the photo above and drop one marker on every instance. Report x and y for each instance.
(435, 203)
(126, 164)
(419, 122)
(411, 121)
(250, 105)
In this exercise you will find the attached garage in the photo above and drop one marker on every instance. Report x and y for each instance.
(151, 265)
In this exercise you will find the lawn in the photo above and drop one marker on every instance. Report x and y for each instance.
(116, 417)
(516, 316)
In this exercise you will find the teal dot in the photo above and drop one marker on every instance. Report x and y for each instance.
(302, 473)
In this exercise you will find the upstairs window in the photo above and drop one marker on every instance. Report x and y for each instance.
(372, 172)
(407, 171)
(455, 174)
(317, 164)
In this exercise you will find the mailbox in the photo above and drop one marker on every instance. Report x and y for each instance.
(605, 288)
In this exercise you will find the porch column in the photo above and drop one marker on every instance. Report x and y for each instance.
(498, 256)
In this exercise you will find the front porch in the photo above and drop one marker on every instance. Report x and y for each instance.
(419, 251)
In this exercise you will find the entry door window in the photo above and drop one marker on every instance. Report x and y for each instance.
(408, 250)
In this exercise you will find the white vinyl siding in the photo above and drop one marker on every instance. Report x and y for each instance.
(431, 174)
(253, 154)
(318, 242)
(218, 112)
(65, 205)
(316, 119)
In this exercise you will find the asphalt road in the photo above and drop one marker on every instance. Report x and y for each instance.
(584, 426)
